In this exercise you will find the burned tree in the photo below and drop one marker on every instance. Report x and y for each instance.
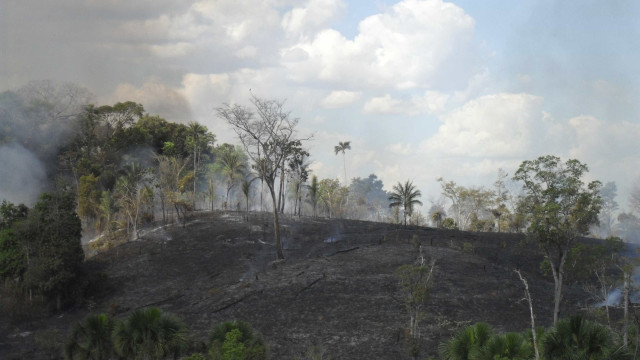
(267, 135)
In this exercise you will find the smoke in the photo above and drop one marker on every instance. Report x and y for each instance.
(23, 175)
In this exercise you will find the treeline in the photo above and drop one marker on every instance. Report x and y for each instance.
(129, 168)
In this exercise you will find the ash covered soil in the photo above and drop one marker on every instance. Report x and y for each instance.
(336, 289)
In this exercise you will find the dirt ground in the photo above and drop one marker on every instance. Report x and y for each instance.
(337, 288)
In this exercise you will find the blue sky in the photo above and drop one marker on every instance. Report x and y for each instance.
(422, 88)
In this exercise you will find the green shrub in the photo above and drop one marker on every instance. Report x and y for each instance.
(235, 340)
(448, 223)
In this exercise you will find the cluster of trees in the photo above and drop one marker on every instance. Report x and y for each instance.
(151, 334)
(40, 251)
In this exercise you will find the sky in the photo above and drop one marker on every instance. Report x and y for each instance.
(422, 89)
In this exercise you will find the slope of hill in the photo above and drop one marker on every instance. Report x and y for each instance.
(337, 288)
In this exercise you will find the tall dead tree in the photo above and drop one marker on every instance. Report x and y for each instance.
(266, 135)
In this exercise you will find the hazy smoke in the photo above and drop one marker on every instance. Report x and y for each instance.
(23, 175)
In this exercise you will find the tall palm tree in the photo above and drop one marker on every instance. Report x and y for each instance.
(232, 165)
(405, 195)
(198, 133)
(150, 334)
(342, 147)
(90, 339)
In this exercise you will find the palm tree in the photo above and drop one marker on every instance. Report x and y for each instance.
(406, 196)
(90, 339)
(467, 343)
(232, 165)
(342, 147)
(198, 133)
(512, 346)
(576, 338)
(437, 217)
(150, 334)
(246, 189)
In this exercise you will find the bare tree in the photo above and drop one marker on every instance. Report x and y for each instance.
(266, 135)
(533, 318)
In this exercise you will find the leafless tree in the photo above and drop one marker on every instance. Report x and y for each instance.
(266, 135)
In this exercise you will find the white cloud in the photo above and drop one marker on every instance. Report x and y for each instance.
(431, 102)
(411, 45)
(302, 21)
(400, 149)
(340, 98)
(501, 125)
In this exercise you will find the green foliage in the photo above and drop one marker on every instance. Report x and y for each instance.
(559, 205)
(406, 196)
(236, 340)
(415, 283)
(91, 339)
(231, 163)
(149, 334)
(12, 256)
(560, 208)
(467, 342)
(88, 197)
(576, 339)
(571, 339)
(51, 237)
(478, 342)
(232, 347)
(332, 195)
(10, 213)
(449, 223)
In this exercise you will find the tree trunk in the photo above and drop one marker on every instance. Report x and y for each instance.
(558, 275)
(276, 223)
(533, 318)
(344, 163)
(194, 172)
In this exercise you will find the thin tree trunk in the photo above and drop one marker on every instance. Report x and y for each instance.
(344, 164)
(194, 172)
(533, 318)
(276, 224)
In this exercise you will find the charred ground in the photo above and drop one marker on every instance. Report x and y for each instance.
(337, 288)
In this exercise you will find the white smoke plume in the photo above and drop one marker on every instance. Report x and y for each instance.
(23, 175)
